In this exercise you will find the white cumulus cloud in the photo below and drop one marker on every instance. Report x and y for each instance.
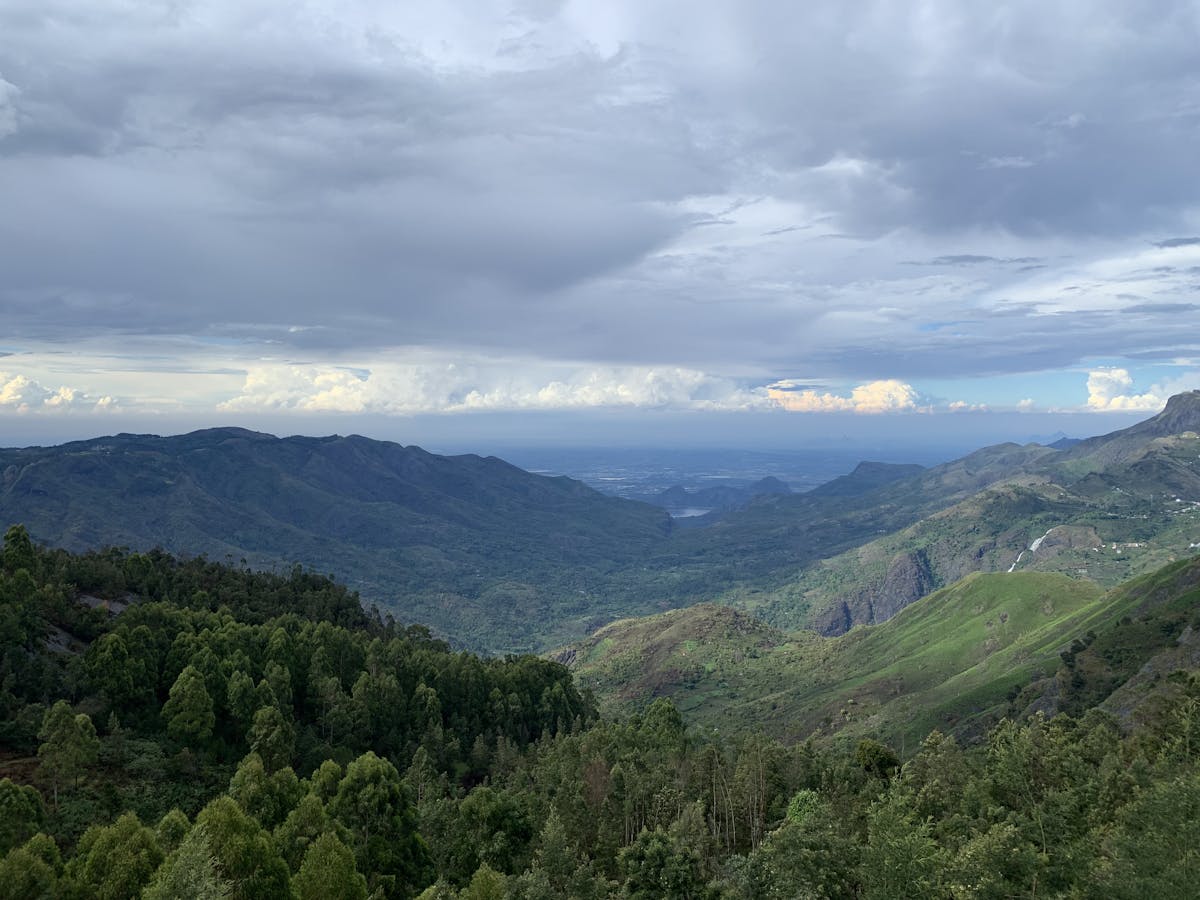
(457, 387)
(887, 395)
(23, 394)
(1109, 389)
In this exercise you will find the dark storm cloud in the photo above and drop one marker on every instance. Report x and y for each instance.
(339, 179)
(188, 178)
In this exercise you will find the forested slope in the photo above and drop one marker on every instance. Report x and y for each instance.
(471, 546)
(184, 729)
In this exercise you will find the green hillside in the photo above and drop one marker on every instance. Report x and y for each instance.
(987, 646)
(951, 661)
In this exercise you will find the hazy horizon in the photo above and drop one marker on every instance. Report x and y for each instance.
(894, 437)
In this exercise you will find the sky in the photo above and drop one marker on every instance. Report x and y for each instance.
(472, 223)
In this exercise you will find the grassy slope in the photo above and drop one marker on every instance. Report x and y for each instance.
(947, 661)
(1126, 654)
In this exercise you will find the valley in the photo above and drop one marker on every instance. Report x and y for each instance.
(502, 560)
(990, 662)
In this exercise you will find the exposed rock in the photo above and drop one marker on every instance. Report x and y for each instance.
(907, 580)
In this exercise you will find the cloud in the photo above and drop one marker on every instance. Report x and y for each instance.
(874, 397)
(1007, 162)
(19, 393)
(8, 108)
(656, 188)
(1108, 390)
(455, 388)
(968, 259)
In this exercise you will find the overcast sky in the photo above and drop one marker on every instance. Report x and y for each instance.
(438, 218)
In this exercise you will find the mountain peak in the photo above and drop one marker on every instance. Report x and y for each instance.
(1182, 413)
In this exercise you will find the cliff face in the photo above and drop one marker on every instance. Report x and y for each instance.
(908, 579)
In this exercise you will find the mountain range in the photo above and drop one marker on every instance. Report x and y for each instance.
(472, 546)
(499, 559)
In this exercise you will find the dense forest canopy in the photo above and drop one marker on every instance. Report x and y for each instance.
(187, 729)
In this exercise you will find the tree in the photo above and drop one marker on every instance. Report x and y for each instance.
(555, 856)
(1155, 849)
(116, 861)
(374, 806)
(279, 678)
(494, 829)
(656, 866)
(272, 737)
(876, 759)
(189, 709)
(994, 865)
(901, 858)
(244, 854)
(300, 830)
(172, 828)
(30, 872)
(935, 780)
(810, 857)
(242, 699)
(109, 670)
(328, 872)
(69, 745)
(485, 884)
(190, 873)
(803, 806)
(325, 780)
(423, 780)
(19, 552)
(267, 797)
(21, 814)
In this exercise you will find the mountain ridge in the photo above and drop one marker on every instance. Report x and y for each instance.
(504, 560)
(1111, 507)
(397, 523)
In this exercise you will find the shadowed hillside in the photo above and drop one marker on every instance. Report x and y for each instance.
(473, 546)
